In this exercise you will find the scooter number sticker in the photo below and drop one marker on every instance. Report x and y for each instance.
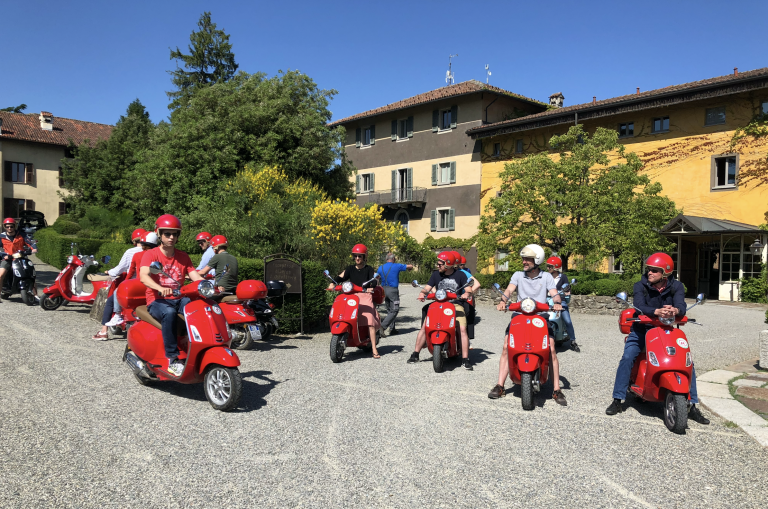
(538, 322)
(352, 302)
(216, 309)
(448, 311)
(682, 343)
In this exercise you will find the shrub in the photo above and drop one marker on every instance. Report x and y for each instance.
(53, 248)
(755, 289)
(66, 227)
(113, 249)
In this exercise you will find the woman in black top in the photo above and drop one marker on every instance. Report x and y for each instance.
(359, 273)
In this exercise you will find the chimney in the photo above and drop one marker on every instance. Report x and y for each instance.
(638, 90)
(735, 71)
(46, 121)
(594, 99)
(557, 100)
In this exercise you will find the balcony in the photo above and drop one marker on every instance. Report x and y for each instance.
(394, 198)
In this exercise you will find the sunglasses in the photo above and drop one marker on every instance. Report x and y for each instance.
(170, 234)
(201, 242)
(358, 256)
(440, 264)
(9, 226)
(654, 270)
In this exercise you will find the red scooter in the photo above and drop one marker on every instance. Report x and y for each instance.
(443, 333)
(663, 370)
(240, 317)
(343, 318)
(203, 340)
(528, 352)
(68, 285)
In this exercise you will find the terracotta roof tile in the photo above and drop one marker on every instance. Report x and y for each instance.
(463, 88)
(26, 127)
(720, 80)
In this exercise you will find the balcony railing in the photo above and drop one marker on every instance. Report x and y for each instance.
(402, 196)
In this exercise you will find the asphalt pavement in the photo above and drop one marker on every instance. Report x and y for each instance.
(77, 430)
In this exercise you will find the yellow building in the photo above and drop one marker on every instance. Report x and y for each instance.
(31, 149)
(683, 135)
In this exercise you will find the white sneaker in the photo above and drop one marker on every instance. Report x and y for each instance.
(176, 368)
(115, 321)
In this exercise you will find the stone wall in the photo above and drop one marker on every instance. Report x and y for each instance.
(588, 304)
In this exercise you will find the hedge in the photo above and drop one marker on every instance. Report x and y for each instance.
(53, 249)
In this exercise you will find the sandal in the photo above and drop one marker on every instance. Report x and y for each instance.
(100, 336)
(376, 356)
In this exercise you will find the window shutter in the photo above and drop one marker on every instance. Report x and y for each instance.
(433, 221)
(62, 208)
(409, 177)
(30, 205)
(357, 184)
(394, 130)
(435, 118)
(451, 219)
(454, 116)
(357, 137)
(409, 127)
(434, 174)
(373, 135)
(30, 174)
(61, 177)
(373, 182)
(453, 172)
(8, 177)
(394, 186)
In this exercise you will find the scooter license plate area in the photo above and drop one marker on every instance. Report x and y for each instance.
(254, 331)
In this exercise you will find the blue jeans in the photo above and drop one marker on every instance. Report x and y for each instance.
(164, 311)
(566, 316)
(109, 308)
(632, 348)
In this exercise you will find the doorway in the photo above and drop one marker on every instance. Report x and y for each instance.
(709, 272)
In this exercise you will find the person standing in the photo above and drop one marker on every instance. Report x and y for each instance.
(390, 280)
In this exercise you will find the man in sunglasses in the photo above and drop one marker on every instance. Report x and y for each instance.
(12, 242)
(203, 240)
(161, 303)
(656, 294)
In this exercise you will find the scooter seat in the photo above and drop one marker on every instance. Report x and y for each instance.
(232, 299)
(143, 314)
(97, 277)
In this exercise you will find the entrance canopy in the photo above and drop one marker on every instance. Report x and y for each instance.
(696, 225)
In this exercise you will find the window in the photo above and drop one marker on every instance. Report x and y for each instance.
(764, 108)
(519, 147)
(731, 256)
(715, 116)
(660, 125)
(62, 208)
(724, 169)
(365, 183)
(69, 153)
(402, 129)
(496, 149)
(365, 136)
(616, 265)
(402, 218)
(12, 207)
(626, 130)
(61, 177)
(502, 263)
(443, 120)
(444, 173)
(20, 173)
(443, 220)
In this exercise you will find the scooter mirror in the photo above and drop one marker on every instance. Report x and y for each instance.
(378, 276)
(155, 268)
(105, 259)
(622, 296)
(566, 287)
(573, 281)
(414, 283)
(700, 298)
(496, 286)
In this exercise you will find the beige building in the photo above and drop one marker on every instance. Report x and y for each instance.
(31, 149)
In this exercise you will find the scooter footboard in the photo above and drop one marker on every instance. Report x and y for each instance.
(674, 381)
(220, 355)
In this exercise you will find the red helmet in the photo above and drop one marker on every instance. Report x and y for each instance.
(251, 289)
(9, 220)
(168, 222)
(661, 261)
(555, 261)
(463, 261)
(360, 249)
(448, 257)
(137, 233)
(203, 236)
(218, 240)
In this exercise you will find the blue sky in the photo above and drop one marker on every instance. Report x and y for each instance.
(89, 60)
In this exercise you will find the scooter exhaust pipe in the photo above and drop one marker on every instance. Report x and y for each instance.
(136, 365)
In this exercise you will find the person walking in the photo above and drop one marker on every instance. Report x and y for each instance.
(390, 279)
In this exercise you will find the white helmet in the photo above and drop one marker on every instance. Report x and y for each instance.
(151, 239)
(533, 251)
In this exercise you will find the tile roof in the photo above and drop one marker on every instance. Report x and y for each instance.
(26, 127)
(463, 88)
(650, 94)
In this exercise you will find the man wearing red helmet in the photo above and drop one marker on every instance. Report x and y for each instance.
(554, 265)
(656, 294)
(225, 263)
(447, 278)
(11, 242)
(161, 303)
(203, 240)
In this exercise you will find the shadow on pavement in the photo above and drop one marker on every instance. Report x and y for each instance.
(274, 343)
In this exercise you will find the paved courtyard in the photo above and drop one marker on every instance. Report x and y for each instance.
(76, 430)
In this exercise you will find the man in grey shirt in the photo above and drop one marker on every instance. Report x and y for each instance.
(533, 283)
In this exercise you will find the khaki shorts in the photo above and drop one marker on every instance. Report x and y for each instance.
(461, 318)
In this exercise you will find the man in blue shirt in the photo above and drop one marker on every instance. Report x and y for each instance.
(390, 277)
(203, 240)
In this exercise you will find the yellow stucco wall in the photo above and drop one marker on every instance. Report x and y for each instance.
(46, 160)
(681, 160)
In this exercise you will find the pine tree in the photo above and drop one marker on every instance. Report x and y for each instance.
(210, 61)
(15, 109)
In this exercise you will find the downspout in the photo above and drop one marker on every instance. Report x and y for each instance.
(577, 118)
(489, 105)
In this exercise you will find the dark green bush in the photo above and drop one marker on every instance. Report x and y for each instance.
(113, 249)
(66, 227)
(755, 289)
(54, 249)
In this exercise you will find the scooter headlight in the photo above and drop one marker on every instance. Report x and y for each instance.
(667, 321)
(440, 295)
(70, 258)
(528, 305)
(206, 288)
(346, 287)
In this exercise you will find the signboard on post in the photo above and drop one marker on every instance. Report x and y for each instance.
(282, 267)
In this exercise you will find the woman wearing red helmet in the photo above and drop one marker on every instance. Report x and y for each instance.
(554, 265)
(359, 273)
(225, 263)
(656, 294)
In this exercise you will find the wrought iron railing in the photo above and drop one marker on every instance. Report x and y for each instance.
(403, 195)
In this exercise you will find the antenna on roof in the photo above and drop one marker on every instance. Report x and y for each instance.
(449, 73)
(487, 73)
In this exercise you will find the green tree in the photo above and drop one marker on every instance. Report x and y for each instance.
(15, 109)
(249, 120)
(97, 174)
(591, 201)
(210, 61)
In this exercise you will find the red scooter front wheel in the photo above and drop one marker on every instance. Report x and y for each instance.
(526, 390)
(223, 387)
(338, 344)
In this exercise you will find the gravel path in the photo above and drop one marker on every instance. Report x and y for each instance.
(76, 430)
